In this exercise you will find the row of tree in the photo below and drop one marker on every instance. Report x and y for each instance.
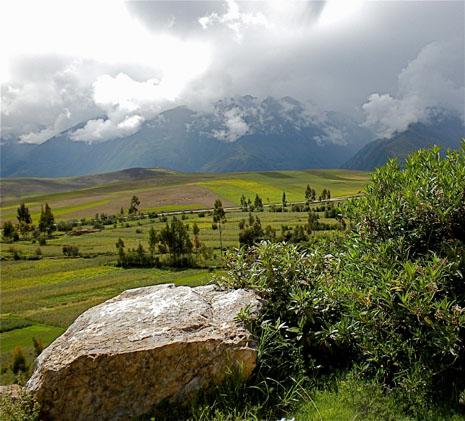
(257, 205)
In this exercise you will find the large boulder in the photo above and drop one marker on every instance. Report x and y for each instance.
(147, 345)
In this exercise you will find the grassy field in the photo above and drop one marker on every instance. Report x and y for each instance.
(43, 291)
(172, 191)
(51, 292)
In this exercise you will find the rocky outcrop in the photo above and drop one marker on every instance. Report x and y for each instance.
(123, 357)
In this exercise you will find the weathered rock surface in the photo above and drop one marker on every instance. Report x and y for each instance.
(122, 357)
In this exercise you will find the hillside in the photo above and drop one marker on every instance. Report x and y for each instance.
(446, 132)
(21, 187)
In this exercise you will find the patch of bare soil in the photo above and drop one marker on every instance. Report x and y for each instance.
(172, 196)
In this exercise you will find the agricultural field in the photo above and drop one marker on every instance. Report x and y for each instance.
(44, 291)
(168, 191)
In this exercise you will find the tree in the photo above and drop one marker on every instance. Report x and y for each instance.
(284, 199)
(244, 205)
(18, 360)
(23, 214)
(251, 219)
(135, 202)
(153, 240)
(313, 223)
(197, 243)
(121, 254)
(38, 345)
(195, 229)
(46, 220)
(308, 193)
(219, 216)
(24, 229)
(258, 203)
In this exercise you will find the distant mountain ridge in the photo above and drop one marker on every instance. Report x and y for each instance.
(445, 131)
(237, 134)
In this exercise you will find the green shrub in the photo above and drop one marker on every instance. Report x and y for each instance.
(403, 291)
(297, 289)
(70, 250)
(21, 408)
(8, 323)
(389, 301)
(420, 208)
(8, 230)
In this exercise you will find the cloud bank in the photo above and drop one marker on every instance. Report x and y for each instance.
(135, 59)
(426, 84)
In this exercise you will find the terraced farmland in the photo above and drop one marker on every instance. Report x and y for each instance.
(172, 191)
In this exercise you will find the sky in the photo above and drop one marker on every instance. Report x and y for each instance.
(385, 63)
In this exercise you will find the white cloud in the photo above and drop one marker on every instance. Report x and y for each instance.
(128, 103)
(429, 81)
(235, 19)
(41, 105)
(235, 126)
(86, 56)
(101, 130)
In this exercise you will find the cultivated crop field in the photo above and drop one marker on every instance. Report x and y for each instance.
(44, 291)
(170, 191)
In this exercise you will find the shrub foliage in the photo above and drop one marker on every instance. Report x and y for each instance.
(389, 302)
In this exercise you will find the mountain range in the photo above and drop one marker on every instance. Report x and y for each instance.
(237, 134)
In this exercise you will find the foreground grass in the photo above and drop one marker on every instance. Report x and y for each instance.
(348, 399)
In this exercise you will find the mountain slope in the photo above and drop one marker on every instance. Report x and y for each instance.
(237, 134)
(446, 132)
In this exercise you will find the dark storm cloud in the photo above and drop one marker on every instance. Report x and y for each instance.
(183, 16)
(393, 58)
(337, 68)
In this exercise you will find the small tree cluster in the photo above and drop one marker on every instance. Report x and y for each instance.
(248, 206)
(174, 240)
(325, 195)
(310, 194)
